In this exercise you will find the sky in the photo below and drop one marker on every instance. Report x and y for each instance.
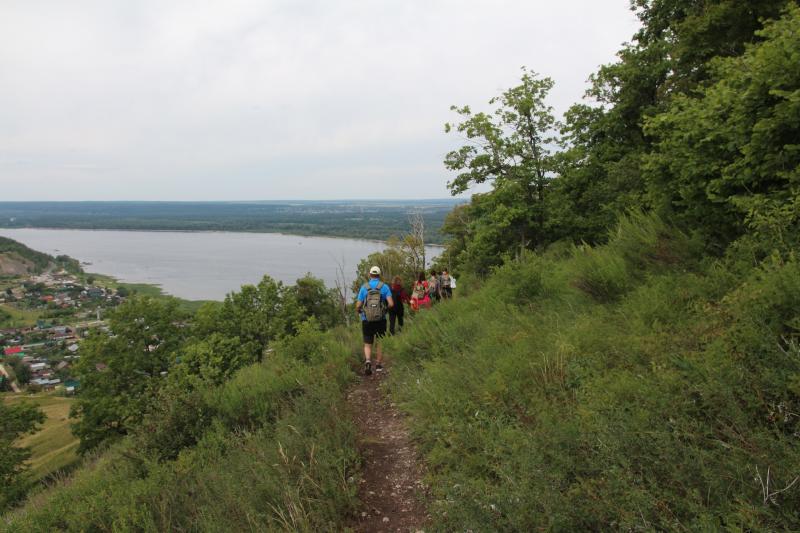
(267, 99)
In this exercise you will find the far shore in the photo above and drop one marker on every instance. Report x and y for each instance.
(315, 235)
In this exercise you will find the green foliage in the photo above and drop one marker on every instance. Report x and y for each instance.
(10, 246)
(509, 147)
(316, 301)
(15, 421)
(117, 373)
(22, 372)
(659, 403)
(400, 258)
(267, 450)
(601, 273)
(639, 244)
(40, 260)
(731, 153)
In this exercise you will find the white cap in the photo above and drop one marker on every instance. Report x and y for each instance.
(375, 271)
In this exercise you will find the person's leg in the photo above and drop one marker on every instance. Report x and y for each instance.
(392, 317)
(369, 339)
(399, 322)
(379, 333)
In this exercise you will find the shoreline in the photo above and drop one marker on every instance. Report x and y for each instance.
(253, 232)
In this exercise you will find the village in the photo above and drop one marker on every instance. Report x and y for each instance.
(43, 319)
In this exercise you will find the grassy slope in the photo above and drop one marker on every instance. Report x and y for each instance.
(53, 446)
(276, 454)
(13, 248)
(18, 318)
(619, 388)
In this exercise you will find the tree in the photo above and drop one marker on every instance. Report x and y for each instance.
(15, 421)
(257, 315)
(511, 148)
(399, 258)
(316, 300)
(601, 173)
(213, 358)
(414, 243)
(728, 156)
(21, 371)
(118, 372)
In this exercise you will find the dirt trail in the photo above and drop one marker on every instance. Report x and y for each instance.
(391, 488)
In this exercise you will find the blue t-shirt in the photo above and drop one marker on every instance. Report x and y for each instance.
(362, 294)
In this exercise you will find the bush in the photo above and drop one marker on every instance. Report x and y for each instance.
(267, 450)
(662, 407)
(601, 273)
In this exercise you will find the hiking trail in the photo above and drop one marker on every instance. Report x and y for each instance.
(390, 488)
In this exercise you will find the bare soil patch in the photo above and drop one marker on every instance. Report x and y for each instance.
(391, 487)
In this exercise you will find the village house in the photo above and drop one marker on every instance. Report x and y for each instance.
(45, 384)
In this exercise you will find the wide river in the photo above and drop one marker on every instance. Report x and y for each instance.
(202, 265)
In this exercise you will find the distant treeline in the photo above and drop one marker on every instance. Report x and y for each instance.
(363, 219)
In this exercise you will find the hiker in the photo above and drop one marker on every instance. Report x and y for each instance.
(400, 297)
(433, 287)
(419, 294)
(373, 300)
(446, 284)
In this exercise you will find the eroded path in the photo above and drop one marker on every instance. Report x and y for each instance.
(391, 488)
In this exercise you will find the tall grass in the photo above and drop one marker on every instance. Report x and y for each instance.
(276, 453)
(655, 394)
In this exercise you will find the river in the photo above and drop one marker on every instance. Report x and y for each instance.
(202, 265)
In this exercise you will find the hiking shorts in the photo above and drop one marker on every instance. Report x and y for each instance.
(370, 330)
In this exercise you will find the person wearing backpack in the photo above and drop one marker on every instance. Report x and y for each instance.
(396, 313)
(446, 284)
(373, 300)
(433, 287)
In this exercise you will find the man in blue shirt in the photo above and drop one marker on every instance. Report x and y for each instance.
(375, 327)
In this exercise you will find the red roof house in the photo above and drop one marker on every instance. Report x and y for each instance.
(12, 350)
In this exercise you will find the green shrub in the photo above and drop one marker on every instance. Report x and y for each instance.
(661, 408)
(269, 450)
(601, 273)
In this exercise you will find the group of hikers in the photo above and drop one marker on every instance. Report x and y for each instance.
(376, 299)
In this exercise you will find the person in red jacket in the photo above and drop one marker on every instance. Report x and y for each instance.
(397, 312)
(419, 294)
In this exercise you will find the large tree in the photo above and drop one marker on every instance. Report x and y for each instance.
(15, 421)
(511, 147)
(118, 371)
(730, 155)
(601, 174)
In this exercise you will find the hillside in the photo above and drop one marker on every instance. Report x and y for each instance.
(622, 352)
(633, 386)
(16, 259)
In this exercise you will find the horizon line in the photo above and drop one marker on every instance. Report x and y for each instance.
(448, 198)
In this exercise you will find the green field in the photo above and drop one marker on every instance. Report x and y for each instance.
(17, 317)
(53, 446)
(144, 289)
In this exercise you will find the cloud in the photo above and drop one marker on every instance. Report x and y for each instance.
(268, 99)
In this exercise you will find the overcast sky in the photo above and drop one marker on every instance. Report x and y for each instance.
(267, 99)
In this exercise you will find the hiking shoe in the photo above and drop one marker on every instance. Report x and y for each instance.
(378, 367)
(367, 368)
